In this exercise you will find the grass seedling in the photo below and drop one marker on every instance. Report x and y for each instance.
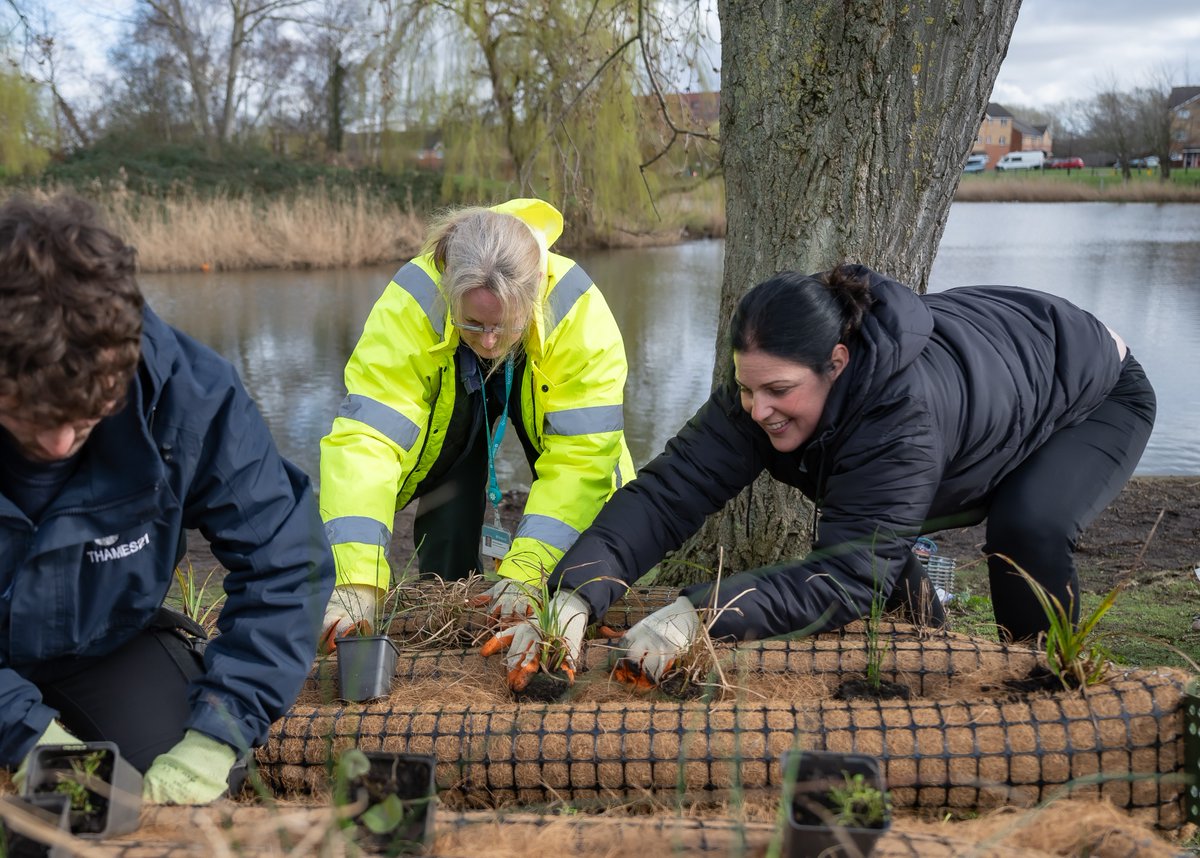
(876, 645)
(194, 601)
(858, 803)
(1075, 655)
(79, 785)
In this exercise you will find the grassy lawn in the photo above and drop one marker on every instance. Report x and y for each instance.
(1150, 624)
(1091, 184)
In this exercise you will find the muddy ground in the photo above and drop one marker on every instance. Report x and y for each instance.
(1152, 526)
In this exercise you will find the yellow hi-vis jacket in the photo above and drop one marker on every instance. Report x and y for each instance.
(400, 384)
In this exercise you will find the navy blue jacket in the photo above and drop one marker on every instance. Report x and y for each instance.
(943, 396)
(189, 450)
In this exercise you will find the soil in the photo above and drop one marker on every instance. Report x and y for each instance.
(1153, 526)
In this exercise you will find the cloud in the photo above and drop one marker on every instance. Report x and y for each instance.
(1065, 49)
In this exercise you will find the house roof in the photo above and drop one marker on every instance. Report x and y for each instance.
(995, 111)
(1181, 95)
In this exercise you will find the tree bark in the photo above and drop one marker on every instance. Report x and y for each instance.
(845, 125)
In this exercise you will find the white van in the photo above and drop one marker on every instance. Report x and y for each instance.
(1034, 159)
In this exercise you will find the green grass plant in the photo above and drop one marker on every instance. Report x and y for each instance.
(858, 803)
(1151, 626)
(195, 599)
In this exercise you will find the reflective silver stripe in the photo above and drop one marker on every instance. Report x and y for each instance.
(416, 282)
(566, 292)
(585, 421)
(358, 528)
(382, 418)
(549, 530)
(617, 471)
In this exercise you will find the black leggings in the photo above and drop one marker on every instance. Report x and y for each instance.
(136, 696)
(1037, 512)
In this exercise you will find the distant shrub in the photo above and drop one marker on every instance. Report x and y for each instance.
(167, 170)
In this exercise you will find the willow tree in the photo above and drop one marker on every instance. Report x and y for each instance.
(25, 131)
(845, 125)
(539, 99)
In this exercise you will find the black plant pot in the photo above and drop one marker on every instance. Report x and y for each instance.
(50, 809)
(112, 808)
(366, 666)
(400, 790)
(810, 827)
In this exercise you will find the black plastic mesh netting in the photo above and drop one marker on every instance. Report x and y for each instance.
(1122, 740)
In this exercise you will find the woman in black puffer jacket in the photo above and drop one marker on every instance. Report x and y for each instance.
(897, 414)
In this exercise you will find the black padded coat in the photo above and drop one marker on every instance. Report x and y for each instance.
(944, 395)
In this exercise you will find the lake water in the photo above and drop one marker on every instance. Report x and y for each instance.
(1136, 266)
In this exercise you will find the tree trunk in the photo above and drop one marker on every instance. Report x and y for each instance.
(845, 125)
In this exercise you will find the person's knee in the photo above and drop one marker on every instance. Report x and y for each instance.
(1031, 541)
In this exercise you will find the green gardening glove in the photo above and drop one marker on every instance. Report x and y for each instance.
(56, 734)
(195, 771)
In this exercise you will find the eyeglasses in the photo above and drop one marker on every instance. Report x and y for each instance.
(485, 329)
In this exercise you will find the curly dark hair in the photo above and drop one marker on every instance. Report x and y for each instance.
(70, 311)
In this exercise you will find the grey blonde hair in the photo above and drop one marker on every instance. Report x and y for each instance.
(477, 247)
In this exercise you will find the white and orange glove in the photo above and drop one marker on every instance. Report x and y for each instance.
(567, 615)
(507, 601)
(655, 642)
(351, 607)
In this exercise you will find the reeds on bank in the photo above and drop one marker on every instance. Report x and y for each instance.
(310, 228)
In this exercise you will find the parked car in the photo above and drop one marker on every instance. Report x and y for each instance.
(976, 163)
(1148, 161)
(1064, 164)
(1031, 160)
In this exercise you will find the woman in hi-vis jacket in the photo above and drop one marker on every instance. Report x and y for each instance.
(486, 330)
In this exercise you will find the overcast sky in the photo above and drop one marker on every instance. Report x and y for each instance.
(1060, 48)
(1064, 49)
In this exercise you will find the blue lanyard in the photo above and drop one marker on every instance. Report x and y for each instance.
(493, 445)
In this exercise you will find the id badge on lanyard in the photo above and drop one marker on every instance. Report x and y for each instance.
(496, 541)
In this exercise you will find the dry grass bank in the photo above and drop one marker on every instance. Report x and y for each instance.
(317, 228)
(312, 229)
(1038, 189)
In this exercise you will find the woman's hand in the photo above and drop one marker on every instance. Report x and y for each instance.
(653, 644)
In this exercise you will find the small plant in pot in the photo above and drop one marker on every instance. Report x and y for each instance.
(366, 656)
(397, 793)
(833, 804)
(104, 791)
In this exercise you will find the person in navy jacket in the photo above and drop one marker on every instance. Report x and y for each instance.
(896, 414)
(117, 434)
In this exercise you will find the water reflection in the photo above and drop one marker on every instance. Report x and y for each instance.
(1135, 266)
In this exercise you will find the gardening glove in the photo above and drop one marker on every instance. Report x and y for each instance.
(351, 608)
(567, 614)
(56, 734)
(195, 771)
(507, 602)
(653, 644)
